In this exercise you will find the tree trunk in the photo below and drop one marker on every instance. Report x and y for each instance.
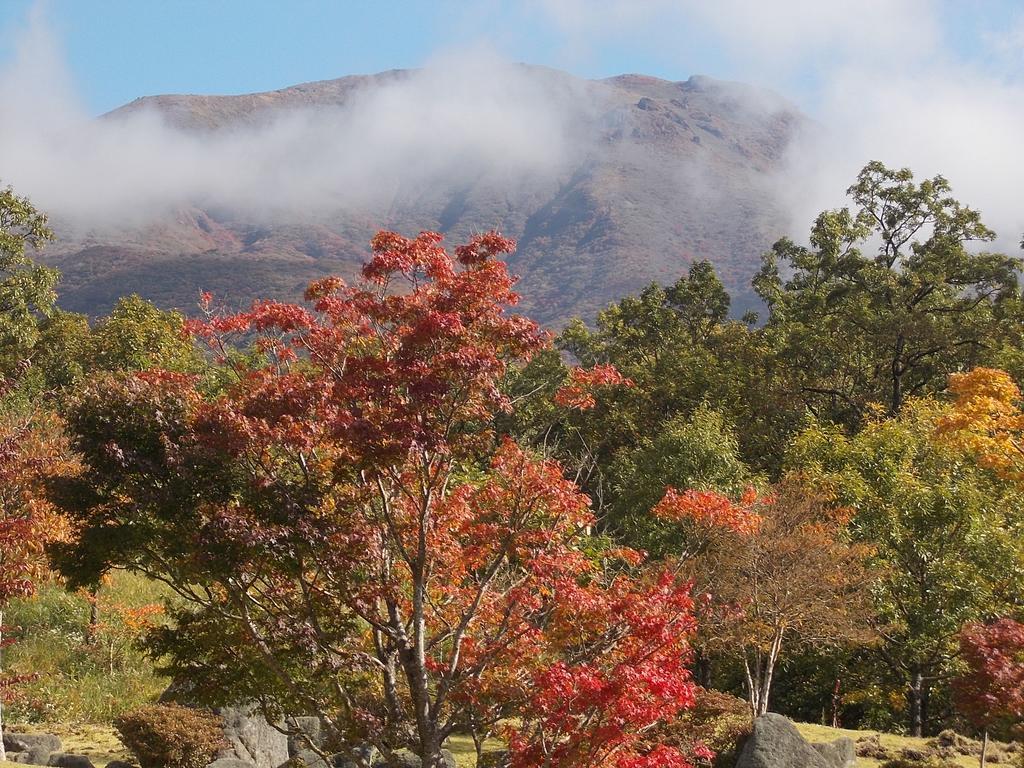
(92, 631)
(915, 697)
(701, 669)
(984, 746)
(896, 403)
(759, 676)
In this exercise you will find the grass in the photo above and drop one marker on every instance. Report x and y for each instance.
(891, 741)
(101, 744)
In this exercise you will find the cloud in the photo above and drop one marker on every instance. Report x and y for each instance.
(465, 117)
(908, 82)
(883, 80)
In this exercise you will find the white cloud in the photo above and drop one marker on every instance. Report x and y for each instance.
(463, 117)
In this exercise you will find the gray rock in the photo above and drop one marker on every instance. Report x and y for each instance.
(366, 753)
(32, 756)
(14, 744)
(308, 758)
(311, 734)
(252, 739)
(230, 762)
(840, 753)
(28, 741)
(406, 759)
(776, 743)
(64, 760)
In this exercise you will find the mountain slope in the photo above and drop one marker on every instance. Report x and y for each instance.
(653, 175)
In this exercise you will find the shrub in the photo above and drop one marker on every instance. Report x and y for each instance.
(171, 736)
(717, 721)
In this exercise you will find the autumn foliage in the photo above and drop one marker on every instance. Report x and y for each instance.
(991, 691)
(986, 419)
(345, 526)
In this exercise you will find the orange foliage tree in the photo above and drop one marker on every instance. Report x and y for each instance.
(30, 449)
(986, 419)
(352, 540)
(780, 571)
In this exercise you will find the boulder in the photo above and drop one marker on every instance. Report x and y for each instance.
(31, 756)
(64, 760)
(310, 734)
(776, 743)
(403, 758)
(230, 762)
(367, 754)
(251, 738)
(28, 741)
(14, 744)
(840, 753)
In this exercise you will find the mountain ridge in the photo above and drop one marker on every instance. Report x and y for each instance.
(667, 172)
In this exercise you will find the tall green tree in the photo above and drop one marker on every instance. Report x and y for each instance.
(682, 352)
(947, 537)
(889, 298)
(26, 288)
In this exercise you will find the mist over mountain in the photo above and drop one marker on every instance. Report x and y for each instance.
(605, 184)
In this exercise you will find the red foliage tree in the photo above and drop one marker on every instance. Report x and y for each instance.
(29, 449)
(348, 534)
(991, 692)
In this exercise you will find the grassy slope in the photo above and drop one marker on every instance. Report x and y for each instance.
(100, 743)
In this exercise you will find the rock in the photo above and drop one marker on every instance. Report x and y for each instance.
(311, 734)
(64, 760)
(32, 756)
(252, 739)
(14, 744)
(776, 743)
(839, 753)
(28, 741)
(229, 762)
(365, 753)
(307, 758)
(406, 759)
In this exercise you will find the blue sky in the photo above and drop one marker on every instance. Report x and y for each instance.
(934, 85)
(119, 49)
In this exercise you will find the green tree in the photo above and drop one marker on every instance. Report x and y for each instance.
(682, 352)
(947, 536)
(26, 288)
(137, 336)
(698, 452)
(888, 299)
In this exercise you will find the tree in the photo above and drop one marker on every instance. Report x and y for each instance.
(26, 289)
(699, 453)
(855, 327)
(351, 540)
(30, 448)
(137, 336)
(945, 533)
(991, 691)
(986, 420)
(682, 354)
(780, 572)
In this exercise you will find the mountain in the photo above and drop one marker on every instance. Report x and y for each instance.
(650, 176)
